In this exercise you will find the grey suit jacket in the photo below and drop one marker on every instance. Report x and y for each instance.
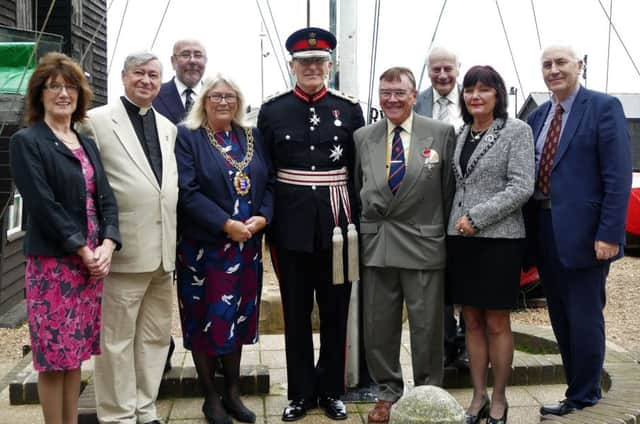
(499, 180)
(147, 210)
(406, 230)
(424, 103)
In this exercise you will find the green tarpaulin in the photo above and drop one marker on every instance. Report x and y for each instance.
(13, 61)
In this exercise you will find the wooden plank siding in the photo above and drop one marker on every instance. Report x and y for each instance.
(8, 13)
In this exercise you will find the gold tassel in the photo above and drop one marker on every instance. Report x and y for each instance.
(352, 254)
(338, 268)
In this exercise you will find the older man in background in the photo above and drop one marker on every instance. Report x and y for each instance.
(441, 101)
(189, 61)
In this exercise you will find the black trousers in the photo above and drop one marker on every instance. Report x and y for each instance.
(301, 276)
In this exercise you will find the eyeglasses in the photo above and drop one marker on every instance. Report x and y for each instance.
(57, 88)
(186, 55)
(217, 98)
(400, 94)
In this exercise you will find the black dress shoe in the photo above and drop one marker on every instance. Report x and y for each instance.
(560, 409)
(483, 412)
(502, 419)
(333, 408)
(297, 409)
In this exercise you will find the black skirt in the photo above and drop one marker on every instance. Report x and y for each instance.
(484, 272)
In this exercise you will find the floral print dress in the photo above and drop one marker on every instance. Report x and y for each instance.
(63, 301)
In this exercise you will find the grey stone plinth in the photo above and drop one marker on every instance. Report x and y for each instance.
(427, 405)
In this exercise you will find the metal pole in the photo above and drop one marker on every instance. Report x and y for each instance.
(308, 13)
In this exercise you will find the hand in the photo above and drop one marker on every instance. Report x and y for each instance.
(236, 230)
(88, 259)
(102, 256)
(605, 250)
(256, 223)
(464, 227)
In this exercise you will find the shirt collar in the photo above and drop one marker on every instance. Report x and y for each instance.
(310, 98)
(406, 125)
(181, 87)
(567, 103)
(453, 96)
(131, 106)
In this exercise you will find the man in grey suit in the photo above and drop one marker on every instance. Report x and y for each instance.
(405, 182)
(441, 101)
(136, 145)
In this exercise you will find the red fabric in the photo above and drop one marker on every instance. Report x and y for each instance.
(528, 277)
(305, 45)
(633, 213)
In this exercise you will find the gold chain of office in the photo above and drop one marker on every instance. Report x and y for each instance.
(241, 181)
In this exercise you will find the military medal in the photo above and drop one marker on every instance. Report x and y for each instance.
(314, 119)
(241, 181)
(427, 156)
(336, 114)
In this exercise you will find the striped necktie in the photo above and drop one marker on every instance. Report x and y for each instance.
(397, 164)
(443, 112)
(549, 152)
(188, 100)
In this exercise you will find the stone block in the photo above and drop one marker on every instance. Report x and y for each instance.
(427, 405)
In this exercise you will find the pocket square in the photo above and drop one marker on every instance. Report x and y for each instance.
(431, 156)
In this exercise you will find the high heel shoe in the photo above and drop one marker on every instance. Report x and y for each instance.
(483, 412)
(502, 419)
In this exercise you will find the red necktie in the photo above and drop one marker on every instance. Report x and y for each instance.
(549, 152)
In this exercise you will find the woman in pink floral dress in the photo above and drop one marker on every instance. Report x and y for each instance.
(71, 231)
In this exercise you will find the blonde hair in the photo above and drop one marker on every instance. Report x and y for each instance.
(197, 117)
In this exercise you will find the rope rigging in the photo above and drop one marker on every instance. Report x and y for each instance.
(506, 36)
(95, 33)
(374, 52)
(115, 46)
(280, 43)
(535, 21)
(433, 37)
(155, 37)
(275, 51)
(619, 38)
(606, 80)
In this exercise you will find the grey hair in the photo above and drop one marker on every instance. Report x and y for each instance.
(140, 58)
(197, 117)
(441, 52)
(570, 50)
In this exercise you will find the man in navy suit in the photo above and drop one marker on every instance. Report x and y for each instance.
(576, 218)
(176, 96)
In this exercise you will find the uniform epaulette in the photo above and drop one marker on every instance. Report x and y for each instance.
(343, 95)
(275, 96)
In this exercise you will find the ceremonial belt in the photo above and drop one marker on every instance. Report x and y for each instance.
(335, 177)
(336, 180)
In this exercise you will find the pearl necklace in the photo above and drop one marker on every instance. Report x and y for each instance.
(475, 136)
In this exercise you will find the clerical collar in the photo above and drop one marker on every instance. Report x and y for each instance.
(310, 98)
(132, 107)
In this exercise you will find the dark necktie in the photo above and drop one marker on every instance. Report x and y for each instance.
(549, 152)
(397, 165)
(188, 100)
(151, 141)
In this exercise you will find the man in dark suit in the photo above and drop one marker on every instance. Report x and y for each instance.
(176, 96)
(576, 218)
(440, 101)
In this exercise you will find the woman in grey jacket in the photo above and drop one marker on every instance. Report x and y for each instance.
(494, 168)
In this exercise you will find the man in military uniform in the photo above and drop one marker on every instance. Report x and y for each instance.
(309, 133)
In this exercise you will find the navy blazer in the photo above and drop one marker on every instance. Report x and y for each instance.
(590, 178)
(206, 198)
(169, 103)
(50, 180)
